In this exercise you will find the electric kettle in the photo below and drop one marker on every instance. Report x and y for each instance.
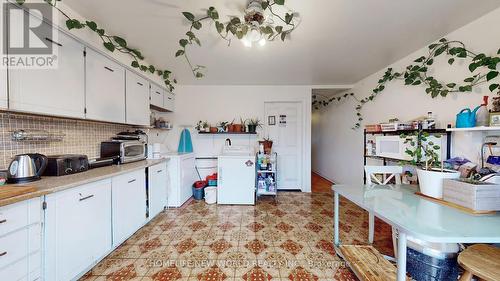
(26, 168)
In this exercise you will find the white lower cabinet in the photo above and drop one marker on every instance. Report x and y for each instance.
(129, 204)
(77, 229)
(157, 186)
(181, 176)
(21, 240)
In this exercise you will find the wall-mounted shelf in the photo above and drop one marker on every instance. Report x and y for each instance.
(227, 133)
(473, 129)
(399, 132)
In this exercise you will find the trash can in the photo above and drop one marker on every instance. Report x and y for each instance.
(211, 194)
(198, 193)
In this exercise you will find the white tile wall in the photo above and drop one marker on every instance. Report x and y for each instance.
(82, 137)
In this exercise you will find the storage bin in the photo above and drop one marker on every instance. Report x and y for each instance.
(478, 196)
(198, 193)
(422, 267)
(211, 195)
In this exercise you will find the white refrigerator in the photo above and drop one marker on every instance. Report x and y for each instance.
(236, 180)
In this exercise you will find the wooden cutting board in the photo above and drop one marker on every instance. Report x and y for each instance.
(8, 191)
(456, 206)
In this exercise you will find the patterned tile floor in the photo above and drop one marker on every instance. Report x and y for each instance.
(288, 240)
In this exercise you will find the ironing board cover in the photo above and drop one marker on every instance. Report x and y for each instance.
(185, 143)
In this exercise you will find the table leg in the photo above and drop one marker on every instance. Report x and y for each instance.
(371, 227)
(401, 261)
(336, 218)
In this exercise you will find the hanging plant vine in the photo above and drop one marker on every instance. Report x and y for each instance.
(113, 43)
(236, 27)
(483, 68)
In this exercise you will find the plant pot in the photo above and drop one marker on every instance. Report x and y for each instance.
(268, 145)
(237, 128)
(213, 130)
(252, 128)
(230, 128)
(431, 181)
(207, 130)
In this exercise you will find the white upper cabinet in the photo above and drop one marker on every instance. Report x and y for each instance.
(3, 88)
(169, 101)
(105, 88)
(58, 91)
(157, 94)
(137, 99)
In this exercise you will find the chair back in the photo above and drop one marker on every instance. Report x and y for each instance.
(387, 172)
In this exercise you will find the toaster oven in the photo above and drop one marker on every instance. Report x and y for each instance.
(127, 150)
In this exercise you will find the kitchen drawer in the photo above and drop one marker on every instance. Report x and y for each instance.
(19, 215)
(28, 269)
(14, 246)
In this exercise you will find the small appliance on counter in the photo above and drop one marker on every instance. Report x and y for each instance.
(137, 135)
(26, 168)
(66, 164)
(103, 162)
(127, 150)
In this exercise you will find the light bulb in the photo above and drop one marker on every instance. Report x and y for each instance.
(247, 43)
(262, 42)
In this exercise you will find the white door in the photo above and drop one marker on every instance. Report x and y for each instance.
(78, 229)
(105, 88)
(157, 96)
(129, 205)
(3, 88)
(137, 99)
(157, 176)
(188, 177)
(58, 91)
(236, 182)
(287, 137)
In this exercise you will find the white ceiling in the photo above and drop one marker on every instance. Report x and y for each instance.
(338, 41)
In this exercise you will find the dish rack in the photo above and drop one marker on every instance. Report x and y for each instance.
(396, 126)
(36, 135)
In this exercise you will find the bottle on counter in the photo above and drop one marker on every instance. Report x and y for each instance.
(482, 114)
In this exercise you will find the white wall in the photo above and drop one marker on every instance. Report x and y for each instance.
(339, 149)
(225, 103)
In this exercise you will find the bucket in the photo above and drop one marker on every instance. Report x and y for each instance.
(198, 193)
(211, 195)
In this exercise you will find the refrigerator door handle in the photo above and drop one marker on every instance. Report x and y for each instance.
(219, 176)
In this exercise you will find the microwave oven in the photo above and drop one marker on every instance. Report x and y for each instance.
(395, 147)
(127, 150)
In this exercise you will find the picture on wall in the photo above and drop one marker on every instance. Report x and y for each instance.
(271, 120)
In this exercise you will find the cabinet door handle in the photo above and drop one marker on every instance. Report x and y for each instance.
(107, 68)
(158, 93)
(53, 42)
(3, 254)
(131, 181)
(3, 221)
(169, 98)
(139, 83)
(159, 171)
(86, 197)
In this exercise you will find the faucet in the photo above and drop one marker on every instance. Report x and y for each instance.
(228, 141)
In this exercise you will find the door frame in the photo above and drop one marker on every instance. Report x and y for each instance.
(306, 139)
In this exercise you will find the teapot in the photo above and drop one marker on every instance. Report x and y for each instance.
(467, 118)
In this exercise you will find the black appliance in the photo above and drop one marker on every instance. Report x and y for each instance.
(66, 164)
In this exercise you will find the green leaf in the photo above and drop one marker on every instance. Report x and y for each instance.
(279, 28)
(109, 46)
(420, 59)
(20, 2)
(188, 16)
(283, 36)
(144, 68)
(151, 69)
(183, 42)
(440, 50)
(264, 5)
(190, 34)
(197, 41)
(451, 61)
(135, 64)
(432, 46)
(197, 25)
(288, 18)
(493, 87)
(443, 40)
(92, 25)
(451, 85)
(179, 53)
(473, 66)
(430, 62)
(469, 80)
(219, 26)
(479, 57)
(491, 75)
(279, 2)
(100, 31)
(199, 75)
(120, 41)
(498, 53)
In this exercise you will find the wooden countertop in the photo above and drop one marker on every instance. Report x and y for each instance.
(49, 185)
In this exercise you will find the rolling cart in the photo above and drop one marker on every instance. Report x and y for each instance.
(266, 175)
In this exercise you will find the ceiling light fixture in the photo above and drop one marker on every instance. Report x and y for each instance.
(262, 21)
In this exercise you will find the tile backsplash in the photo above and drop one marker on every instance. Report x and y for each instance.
(81, 137)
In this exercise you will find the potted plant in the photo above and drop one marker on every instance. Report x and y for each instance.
(222, 126)
(230, 126)
(199, 126)
(430, 171)
(238, 128)
(268, 145)
(253, 124)
(206, 126)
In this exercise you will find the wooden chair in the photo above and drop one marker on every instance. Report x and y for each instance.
(388, 173)
(482, 261)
